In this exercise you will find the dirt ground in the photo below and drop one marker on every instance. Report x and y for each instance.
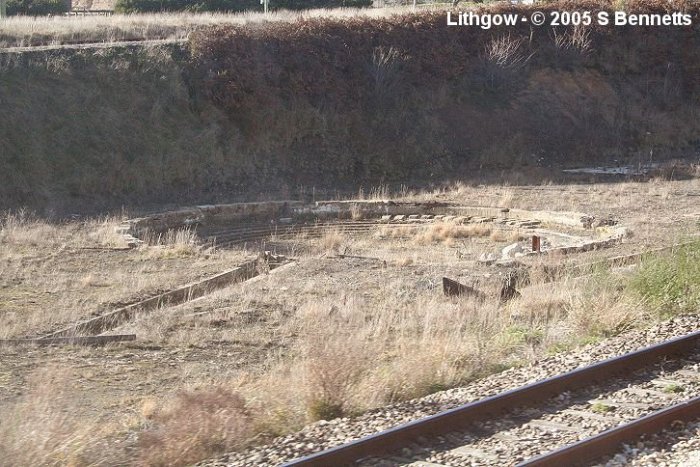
(378, 291)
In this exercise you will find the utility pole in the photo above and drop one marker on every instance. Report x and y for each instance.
(3, 8)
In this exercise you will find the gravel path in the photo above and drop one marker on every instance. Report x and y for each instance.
(322, 435)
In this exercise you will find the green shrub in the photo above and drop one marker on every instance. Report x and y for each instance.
(37, 7)
(671, 284)
(146, 6)
(325, 410)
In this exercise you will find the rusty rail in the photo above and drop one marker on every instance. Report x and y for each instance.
(467, 415)
(76, 340)
(605, 443)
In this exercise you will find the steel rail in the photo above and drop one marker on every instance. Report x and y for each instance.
(474, 412)
(607, 442)
(264, 227)
(73, 340)
(237, 236)
(230, 239)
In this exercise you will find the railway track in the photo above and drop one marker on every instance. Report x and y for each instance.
(570, 419)
(262, 231)
(558, 189)
(259, 232)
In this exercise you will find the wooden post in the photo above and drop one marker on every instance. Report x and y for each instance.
(536, 244)
(3, 8)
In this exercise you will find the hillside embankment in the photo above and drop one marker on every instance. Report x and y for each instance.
(242, 109)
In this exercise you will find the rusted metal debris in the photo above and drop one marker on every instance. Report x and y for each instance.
(453, 288)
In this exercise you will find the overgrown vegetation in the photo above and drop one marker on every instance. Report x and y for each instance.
(194, 425)
(328, 343)
(421, 343)
(670, 284)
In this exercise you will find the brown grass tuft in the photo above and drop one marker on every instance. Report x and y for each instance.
(508, 236)
(332, 240)
(177, 243)
(194, 425)
(41, 427)
(446, 232)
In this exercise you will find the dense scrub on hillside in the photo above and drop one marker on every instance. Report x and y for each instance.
(147, 6)
(37, 7)
(329, 103)
(407, 96)
(97, 128)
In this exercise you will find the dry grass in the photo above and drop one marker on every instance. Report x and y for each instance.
(348, 358)
(446, 232)
(20, 31)
(438, 232)
(79, 268)
(42, 428)
(194, 425)
(343, 353)
(510, 236)
(178, 243)
(506, 200)
(22, 228)
(332, 240)
(322, 339)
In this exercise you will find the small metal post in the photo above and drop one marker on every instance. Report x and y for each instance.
(536, 246)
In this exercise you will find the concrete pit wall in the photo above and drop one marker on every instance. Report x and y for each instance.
(208, 217)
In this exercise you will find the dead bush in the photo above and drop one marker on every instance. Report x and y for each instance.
(332, 240)
(195, 425)
(332, 368)
(509, 236)
(446, 232)
(24, 228)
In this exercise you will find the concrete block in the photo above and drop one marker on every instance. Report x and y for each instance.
(512, 250)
